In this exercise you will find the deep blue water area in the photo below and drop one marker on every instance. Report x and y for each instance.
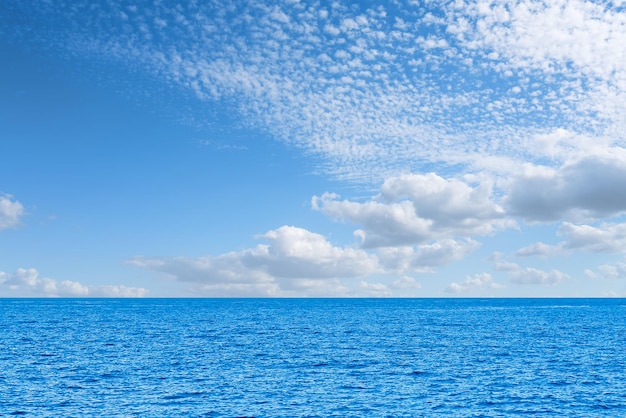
(313, 357)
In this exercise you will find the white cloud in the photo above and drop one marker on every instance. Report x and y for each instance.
(116, 291)
(525, 90)
(236, 289)
(591, 274)
(296, 261)
(406, 283)
(423, 258)
(579, 33)
(527, 275)
(415, 208)
(375, 289)
(538, 248)
(533, 276)
(577, 42)
(298, 253)
(386, 224)
(10, 212)
(505, 266)
(613, 271)
(606, 237)
(364, 90)
(27, 282)
(565, 145)
(471, 284)
(314, 287)
(590, 187)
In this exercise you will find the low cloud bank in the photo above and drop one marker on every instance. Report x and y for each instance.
(28, 283)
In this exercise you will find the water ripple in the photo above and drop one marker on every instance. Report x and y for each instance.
(315, 358)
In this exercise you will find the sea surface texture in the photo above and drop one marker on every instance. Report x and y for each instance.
(313, 357)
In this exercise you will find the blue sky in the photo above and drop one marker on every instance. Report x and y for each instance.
(295, 148)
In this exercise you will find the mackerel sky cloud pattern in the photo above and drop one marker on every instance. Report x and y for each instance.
(455, 122)
(388, 89)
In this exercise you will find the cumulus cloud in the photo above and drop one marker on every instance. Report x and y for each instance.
(28, 282)
(533, 276)
(589, 187)
(540, 249)
(608, 271)
(500, 265)
(416, 224)
(424, 258)
(470, 284)
(298, 253)
(10, 212)
(300, 262)
(416, 208)
(372, 91)
(604, 238)
(295, 260)
(406, 282)
(527, 275)
(590, 273)
(375, 289)
(613, 271)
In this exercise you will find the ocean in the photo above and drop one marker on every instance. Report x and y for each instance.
(312, 357)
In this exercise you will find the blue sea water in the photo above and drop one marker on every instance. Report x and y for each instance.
(313, 357)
